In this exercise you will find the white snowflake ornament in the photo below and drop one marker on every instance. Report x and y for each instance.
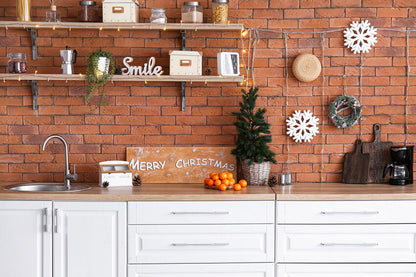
(302, 126)
(360, 37)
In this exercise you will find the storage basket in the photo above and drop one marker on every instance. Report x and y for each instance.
(256, 174)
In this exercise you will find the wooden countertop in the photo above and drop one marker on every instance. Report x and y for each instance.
(340, 191)
(196, 192)
(146, 192)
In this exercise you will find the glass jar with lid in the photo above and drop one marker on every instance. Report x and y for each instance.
(17, 63)
(89, 11)
(192, 12)
(220, 11)
(158, 16)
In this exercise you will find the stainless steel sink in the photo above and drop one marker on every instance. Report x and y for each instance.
(46, 187)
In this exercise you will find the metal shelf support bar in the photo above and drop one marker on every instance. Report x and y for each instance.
(35, 94)
(34, 36)
(183, 84)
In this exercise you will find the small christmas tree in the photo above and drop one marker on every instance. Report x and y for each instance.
(253, 131)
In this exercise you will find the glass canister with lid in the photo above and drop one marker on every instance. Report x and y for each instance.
(17, 63)
(89, 11)
(192, 12)
(158, 16)
(220, 11)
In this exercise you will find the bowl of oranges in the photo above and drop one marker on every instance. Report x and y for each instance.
(223, 181)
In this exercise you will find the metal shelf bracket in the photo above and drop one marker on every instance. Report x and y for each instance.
(34, 36)
(183, 84)
(35, 94)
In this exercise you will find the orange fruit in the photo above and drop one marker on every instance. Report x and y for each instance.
(232, 181)
(206, 180)
(230, 175)
(210, 182)
(237, 187)
(223, 187)
(217, 182)
(223, 175)
(225, 182)
(212, 174)
(243, 183)
(215, 177)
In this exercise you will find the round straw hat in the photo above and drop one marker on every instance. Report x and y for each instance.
(306, 67)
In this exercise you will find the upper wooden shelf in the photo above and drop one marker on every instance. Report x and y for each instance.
(125, 78)
(122, 25)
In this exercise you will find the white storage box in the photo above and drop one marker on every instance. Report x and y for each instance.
(120, 11)
(185, 63)
(115, 174)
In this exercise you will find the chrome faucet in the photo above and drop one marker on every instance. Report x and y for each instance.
(68, 177)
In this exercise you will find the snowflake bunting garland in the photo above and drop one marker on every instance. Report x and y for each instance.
(302, 126)
(360, 37)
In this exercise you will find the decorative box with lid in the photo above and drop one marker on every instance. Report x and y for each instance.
(120, 11)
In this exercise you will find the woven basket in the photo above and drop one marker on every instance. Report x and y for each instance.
(256, 174)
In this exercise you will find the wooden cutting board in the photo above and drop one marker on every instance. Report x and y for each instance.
(356, 166)
(379, 156)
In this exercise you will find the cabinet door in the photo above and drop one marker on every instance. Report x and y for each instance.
(25, 238)
(202, 270)
(89, 239)
(346, 270)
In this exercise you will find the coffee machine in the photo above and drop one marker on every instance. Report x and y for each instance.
(68, 58)
(401, 168)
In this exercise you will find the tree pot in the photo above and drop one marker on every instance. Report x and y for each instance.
(257, 174)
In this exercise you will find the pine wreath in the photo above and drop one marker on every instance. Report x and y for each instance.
(340, 104)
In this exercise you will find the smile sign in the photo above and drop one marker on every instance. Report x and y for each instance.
(179, 164)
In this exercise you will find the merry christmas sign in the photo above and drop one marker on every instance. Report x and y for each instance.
(179, 164)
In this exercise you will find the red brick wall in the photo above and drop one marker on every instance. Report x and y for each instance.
(141, 114)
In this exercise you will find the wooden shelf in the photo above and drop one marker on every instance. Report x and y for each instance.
(122, 78)
(121, 26)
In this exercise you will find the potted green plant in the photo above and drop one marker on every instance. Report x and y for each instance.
(252, 151)
(100, 70)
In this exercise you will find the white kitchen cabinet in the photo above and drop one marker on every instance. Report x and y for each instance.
(25, 238)
(346, 270)
(88, 238)
(202, 270)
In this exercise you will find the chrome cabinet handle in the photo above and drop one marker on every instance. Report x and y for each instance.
(363, 244)
(45, 219)
(201, 244)
(199, 213)
(56, 220)
(358, 212)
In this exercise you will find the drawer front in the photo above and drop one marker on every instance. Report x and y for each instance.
(202, 270)
(346, 270)
(333, 212)
(200, 243)
(345, 243)
(201, 212)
